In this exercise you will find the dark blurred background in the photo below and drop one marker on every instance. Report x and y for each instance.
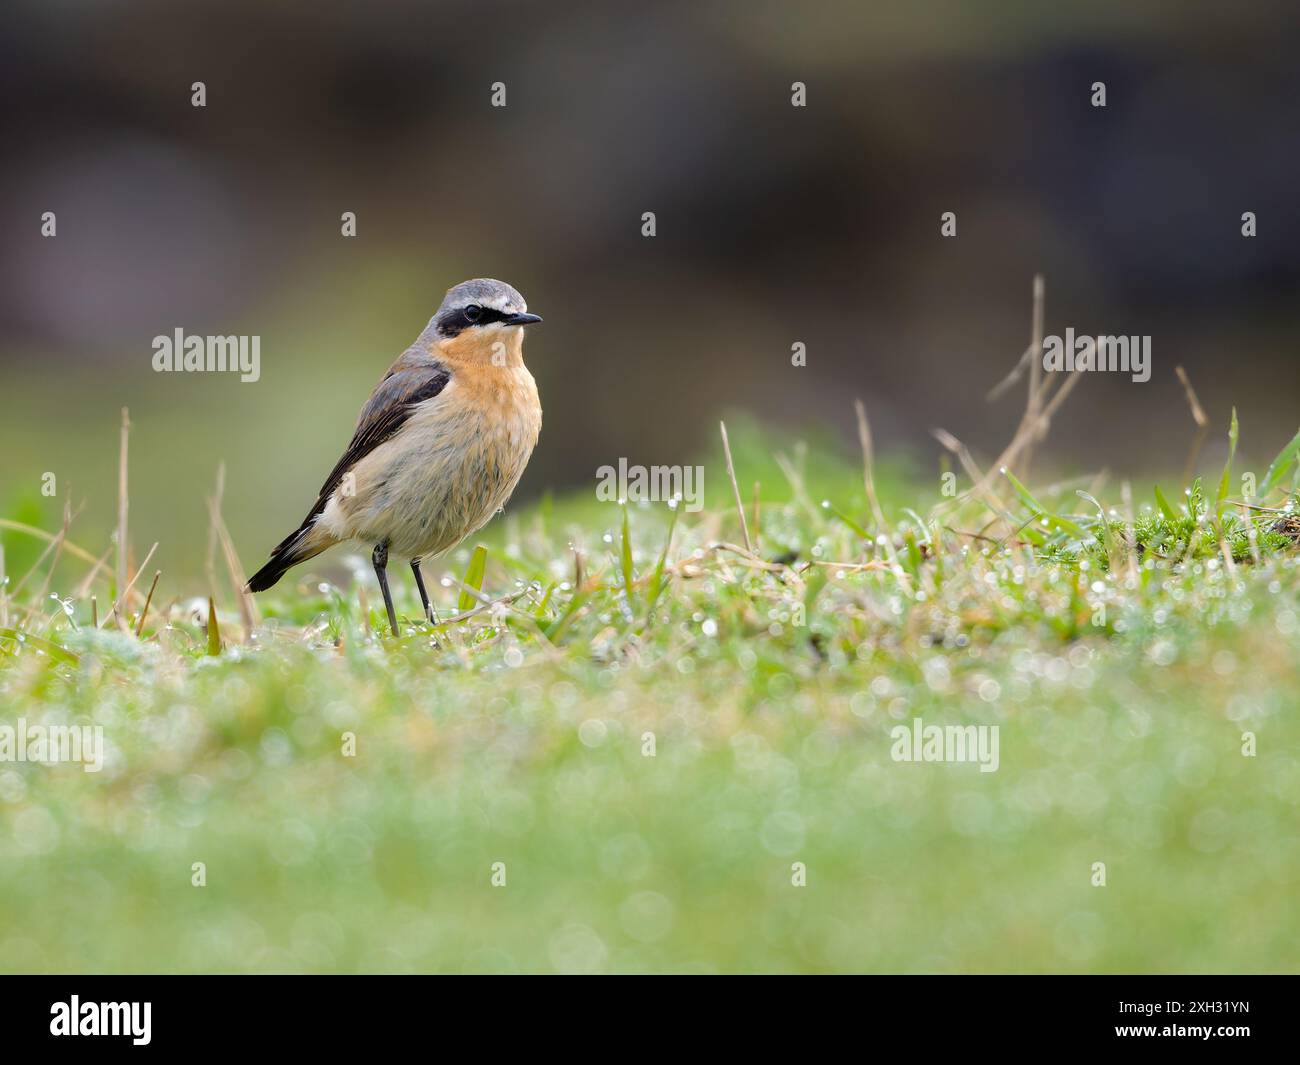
(775, 224)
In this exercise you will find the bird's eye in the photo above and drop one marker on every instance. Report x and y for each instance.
(473, 312)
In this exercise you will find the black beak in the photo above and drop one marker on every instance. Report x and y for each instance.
(522, 319)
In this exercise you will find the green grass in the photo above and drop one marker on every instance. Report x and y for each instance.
(1122, 650)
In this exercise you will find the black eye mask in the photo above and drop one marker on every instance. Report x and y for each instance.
(452, 322)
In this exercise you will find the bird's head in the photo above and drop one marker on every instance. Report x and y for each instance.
(482, 320)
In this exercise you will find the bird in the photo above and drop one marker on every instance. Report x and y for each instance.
(438, 448)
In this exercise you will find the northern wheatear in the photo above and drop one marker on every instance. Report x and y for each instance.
(439, 446)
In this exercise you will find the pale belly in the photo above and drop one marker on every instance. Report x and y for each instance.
(443, 477)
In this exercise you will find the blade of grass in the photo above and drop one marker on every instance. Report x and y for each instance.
(214, 630)
(1063, 524)
(1103, 526)
(27, 639)
(1201, 420)
(540, 612)
(625, 557)
(1165, 508)
(122, 503)
(144, 611)
(735, 487)
(473, 579)
(1277, 469)
(122, 604)
(869, 486)
(1226, 479)
(827, 505)
(234, 570)
(556, 630)
(657, 582)
(920, 524)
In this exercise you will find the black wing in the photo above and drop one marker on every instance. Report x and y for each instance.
(392, 402)
(394, 399)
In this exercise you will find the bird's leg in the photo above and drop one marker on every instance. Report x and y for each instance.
(380, 559)
(429, 614)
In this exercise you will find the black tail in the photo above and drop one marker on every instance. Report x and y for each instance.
(268, 574)
(288, 553)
